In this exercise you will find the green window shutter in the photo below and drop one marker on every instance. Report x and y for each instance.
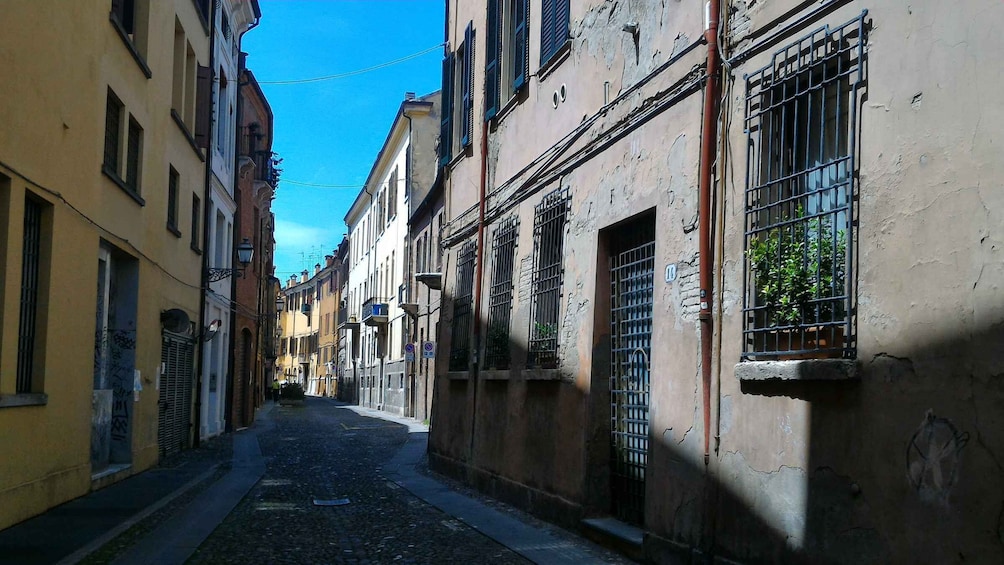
(521, 44)
(466, 86)
(445, 124)
(493, 28)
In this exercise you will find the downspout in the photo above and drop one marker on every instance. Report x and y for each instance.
(206, 199)
(409, 275)
(478, 271)
(708, 144)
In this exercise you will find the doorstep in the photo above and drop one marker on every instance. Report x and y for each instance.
(617, 535)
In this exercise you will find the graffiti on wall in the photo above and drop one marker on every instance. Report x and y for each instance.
(933, 455)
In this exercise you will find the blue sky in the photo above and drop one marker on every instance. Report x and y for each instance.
(329, 132)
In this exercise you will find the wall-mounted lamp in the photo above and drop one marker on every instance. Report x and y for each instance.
(245, 251)
(280, 303)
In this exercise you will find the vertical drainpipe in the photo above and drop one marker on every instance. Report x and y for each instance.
(478, 272)
(206, 199)
(708, 143)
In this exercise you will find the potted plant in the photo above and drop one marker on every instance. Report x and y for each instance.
(544, 345)
(797, 267)
(497, 347)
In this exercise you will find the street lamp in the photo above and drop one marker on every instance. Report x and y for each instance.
(244, 253)
(280, 303)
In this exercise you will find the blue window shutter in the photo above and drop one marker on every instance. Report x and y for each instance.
(521, 44)
(547, 8)
(493, 28)
(553, 27)
(466, 87)
(445, 124)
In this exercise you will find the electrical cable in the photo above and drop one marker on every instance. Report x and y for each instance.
(355, 72)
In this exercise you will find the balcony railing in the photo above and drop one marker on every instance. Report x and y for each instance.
(374, 312)
(266, 162)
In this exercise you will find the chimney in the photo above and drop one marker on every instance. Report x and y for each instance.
(409, 95)
(329, 260)
(317, 269)
(303, 276)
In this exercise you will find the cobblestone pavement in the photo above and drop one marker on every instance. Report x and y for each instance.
(321, 451)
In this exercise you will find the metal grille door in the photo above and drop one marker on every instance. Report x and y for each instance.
(631, 287)
(176, 357)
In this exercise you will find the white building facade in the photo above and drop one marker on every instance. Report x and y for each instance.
(232, 18)
(379, 239)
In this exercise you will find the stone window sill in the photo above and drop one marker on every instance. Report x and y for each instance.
(188, 134)
(541, 374)
(28, 399)
(800, 370)
(496, 374)
(115, 178)
(458, 375)
(130, 46)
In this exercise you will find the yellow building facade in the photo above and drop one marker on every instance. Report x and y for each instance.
(101, 177)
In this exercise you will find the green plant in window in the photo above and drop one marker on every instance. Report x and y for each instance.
(796, 267)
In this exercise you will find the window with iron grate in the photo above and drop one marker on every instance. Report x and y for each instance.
(497, 348)
(801, 119)
(460, 344)
(549, 221)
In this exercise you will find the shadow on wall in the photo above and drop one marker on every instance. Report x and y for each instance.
(904, 462)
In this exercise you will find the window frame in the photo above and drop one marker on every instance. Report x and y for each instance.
(550, 222)
(799, 294)
(505, 244)
(463, 306)
(173, 189)
(555, 19)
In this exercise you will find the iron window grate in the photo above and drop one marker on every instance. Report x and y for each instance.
(549, 220)
(497, 350)
(460, 344)
(801, 121)
(30, 260)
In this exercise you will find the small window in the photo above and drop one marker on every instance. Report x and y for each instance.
(553, 28)
(549, 220)
(172, 200)
(392, 195)
(801, 123)
(460, 344)
(196, 222)
(114, 110)
(508, 46)
(500, 294)
(34, 266)
(134, 156)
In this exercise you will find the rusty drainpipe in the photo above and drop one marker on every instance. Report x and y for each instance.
(477, 277)
(708, 142)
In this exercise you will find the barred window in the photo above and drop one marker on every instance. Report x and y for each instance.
(801, 119)
(28, 343)
(134, 154)
(113, 133)
(500, 295)
(460, 344)
(548, 249)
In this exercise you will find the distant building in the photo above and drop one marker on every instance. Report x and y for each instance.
(380, 240)
(257, 176)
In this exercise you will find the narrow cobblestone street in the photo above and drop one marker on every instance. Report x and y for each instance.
(326, 452)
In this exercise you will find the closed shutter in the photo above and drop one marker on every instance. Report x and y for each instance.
(446, 124)
(203, 106)
(553, 27)
(175, 400)
(493, 28)
(467, 84)
(521, 44)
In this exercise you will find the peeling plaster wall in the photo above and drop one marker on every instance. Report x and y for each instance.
(537, 442)
(834, 469)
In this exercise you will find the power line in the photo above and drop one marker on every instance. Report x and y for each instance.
(355, 72)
